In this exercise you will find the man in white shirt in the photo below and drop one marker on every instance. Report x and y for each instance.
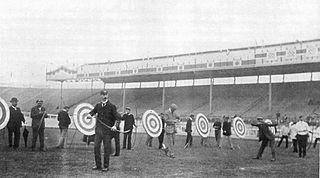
(302, 136)
(284, 132)
(292, 134)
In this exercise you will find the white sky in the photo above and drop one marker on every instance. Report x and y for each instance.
(35, 35)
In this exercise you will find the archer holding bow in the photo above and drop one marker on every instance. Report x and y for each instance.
(107, 123)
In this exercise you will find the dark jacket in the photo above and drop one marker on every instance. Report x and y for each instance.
(36, 115)
(226, 128)
(264, 132)
(16, 117)
(107, 114)
(217, 126)
(189, 125)
(64, 119)
(128, 121)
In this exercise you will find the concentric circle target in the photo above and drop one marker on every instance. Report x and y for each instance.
(4, 113)
(82, 123)
(239, 127)
(152, 123)
(202, 125)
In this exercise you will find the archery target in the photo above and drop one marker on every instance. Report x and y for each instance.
(202, 125)
(84, 125)
(239, 127)
(4, 113)
(152, 123)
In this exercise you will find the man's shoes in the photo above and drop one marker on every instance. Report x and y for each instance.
(124, 148)
(273, 159)
(96, 168)
(256, 158)
(116, 155)
(105, 169)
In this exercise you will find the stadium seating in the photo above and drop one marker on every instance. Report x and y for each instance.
(247, 100)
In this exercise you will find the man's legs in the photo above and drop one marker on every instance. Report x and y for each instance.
(160, 138)
(282, 137)
(273, 150)
(10, 131)
(264, 143)
(315, 142)
(295, 145)
(304, 144)
(117, 142)
(129, 140)
(34, 137)
(16, 137)
(41, 138)
(63, 135)
(107, 147)
(97, 146)
(124, 143)
(287, 142)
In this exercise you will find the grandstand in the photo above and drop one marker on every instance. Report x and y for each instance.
(192, 81)
(247, 100)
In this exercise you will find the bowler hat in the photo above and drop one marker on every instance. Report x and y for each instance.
(14, 99)
(103, 92)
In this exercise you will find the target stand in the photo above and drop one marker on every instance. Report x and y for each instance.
(239, 127)
(152, 123)
(202, 125)
(4, 114)
(81, 122)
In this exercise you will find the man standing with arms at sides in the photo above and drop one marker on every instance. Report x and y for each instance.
(227, 130)
(171, 117)
(160, 138)
(64, 122)
(189, 130)
(302, 136)
(107, 122)
(38, 113)
(284, 132)
(128, 125)
(217, 131)
(14, 124)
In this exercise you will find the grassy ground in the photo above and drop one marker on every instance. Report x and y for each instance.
(199, 161)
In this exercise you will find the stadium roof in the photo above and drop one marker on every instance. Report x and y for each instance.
(211, 73)
(204, 52)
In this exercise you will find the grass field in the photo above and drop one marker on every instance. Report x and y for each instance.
(198, 161)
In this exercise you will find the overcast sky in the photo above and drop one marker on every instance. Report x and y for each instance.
(35, 35)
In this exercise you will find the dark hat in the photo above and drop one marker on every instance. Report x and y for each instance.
(66, 107)
(191, 115)
(14, 99)
(259, 118)
(128, 108)
(39, 100)
(103, 92)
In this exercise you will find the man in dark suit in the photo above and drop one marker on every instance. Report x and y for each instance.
(189, 130)
(266, 136)
(38, 113)
(14, 124)
(128, 126)
(107, 122)
(64, 122)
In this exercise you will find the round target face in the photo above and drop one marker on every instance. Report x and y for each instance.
(239, 127)
(82, 123)
(202, 125)
(4, 113)
(152, 124)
